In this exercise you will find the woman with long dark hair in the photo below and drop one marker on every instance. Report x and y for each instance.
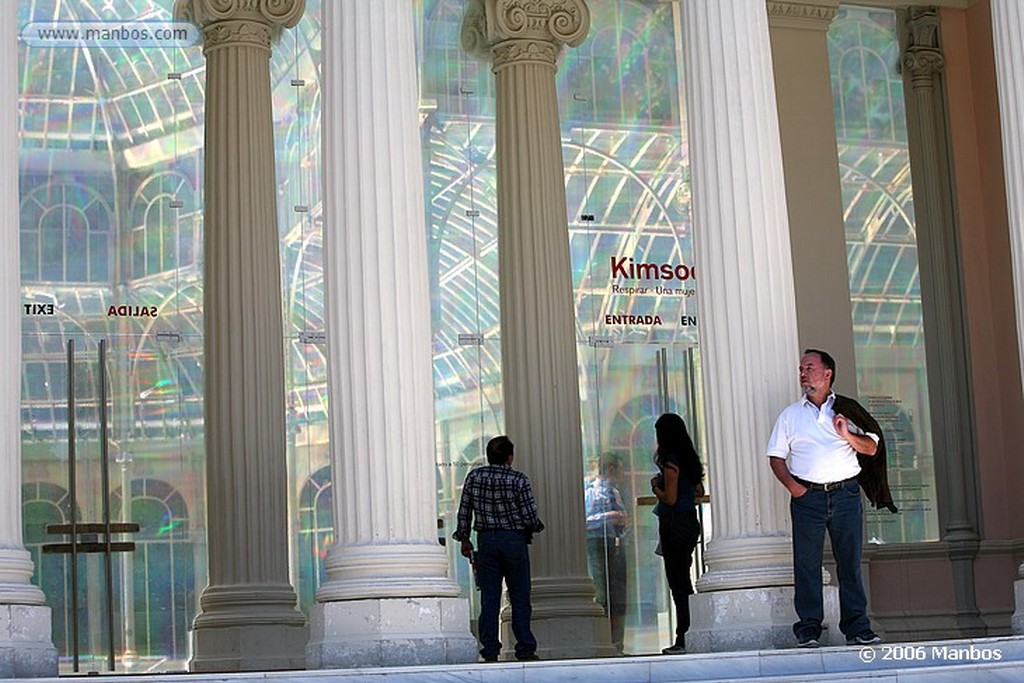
(677, 485)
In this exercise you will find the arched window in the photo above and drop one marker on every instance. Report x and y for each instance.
(316, 534)
(160, 595)
(883, 258)
(626, 70)
(66, 230)
(164, 234)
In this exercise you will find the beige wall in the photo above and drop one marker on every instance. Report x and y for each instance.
(811, 165)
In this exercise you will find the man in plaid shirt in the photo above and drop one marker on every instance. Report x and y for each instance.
(502, 502)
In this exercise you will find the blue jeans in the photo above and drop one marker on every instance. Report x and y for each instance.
(840, 513)
(504, 555)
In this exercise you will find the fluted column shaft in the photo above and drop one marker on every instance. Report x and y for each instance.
(378, 311)
(15, 562)
(538, 338)
(388, 599)
(248, 619)
(26, 648)
(1007, 29)
(748, 330)
(540, 375)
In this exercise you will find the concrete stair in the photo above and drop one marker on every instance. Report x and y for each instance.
(996, 660)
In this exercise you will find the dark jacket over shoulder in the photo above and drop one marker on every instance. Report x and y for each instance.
(873, 477)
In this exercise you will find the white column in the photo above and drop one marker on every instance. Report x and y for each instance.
(248, 618)
(26, 648)
(1007, 29)
(388, 599)
(538, 335)
(748, 329)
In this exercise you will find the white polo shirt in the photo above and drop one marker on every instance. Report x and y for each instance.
(816, 451)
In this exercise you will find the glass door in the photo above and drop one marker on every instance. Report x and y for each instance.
(625, 388)
(131, 426)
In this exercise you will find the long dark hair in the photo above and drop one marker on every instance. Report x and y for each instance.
(674, 438)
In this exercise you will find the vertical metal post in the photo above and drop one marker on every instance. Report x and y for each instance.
(662, 370)
(105, 477)
(74, 505)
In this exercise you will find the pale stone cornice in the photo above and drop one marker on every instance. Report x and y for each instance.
(515, 31)
(808, 14)
(923, 58)
(240, 22)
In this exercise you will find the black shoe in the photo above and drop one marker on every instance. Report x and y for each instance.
(532, 657)
(868, 637)
(676, 649)
(807, 641)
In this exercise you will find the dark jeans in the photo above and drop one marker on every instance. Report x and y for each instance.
(607, 563)
(679, 532)
(840, 513)
(504, 555)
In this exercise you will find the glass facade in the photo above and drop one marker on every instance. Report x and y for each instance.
(885, 285)
(111, 249)
(626, 177)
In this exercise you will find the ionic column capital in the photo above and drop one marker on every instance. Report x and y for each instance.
(240, 22)
(515, 31)
(923, 57)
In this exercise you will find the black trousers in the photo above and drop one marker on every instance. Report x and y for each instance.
(679, 532)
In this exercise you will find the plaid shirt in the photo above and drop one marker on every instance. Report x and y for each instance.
(500, 498)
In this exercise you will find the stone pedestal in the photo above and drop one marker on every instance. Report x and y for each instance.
(388, 599)
(391, 632)
(26, 646)
(540, 375)
(26, 649)
(754, 619)
(248, 619)
(1017, 621)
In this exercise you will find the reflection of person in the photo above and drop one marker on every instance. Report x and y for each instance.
(606, 524)
(677, 486)
(505, 512)
(822, 444)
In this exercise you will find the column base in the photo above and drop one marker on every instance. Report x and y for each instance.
(754, 619)
(390, 632)
(26, 648)
(566, 621)
(248, 647)
(248, 627)
(1017, 620)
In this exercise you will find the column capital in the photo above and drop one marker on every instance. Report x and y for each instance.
(922, 57)
(234, 22)
(808, 14)
(514, 31)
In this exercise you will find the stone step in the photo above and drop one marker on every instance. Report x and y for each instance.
(951, 661)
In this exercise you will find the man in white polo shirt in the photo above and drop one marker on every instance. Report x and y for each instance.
(821, 475)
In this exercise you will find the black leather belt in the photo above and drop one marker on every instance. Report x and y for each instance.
(830, 486)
